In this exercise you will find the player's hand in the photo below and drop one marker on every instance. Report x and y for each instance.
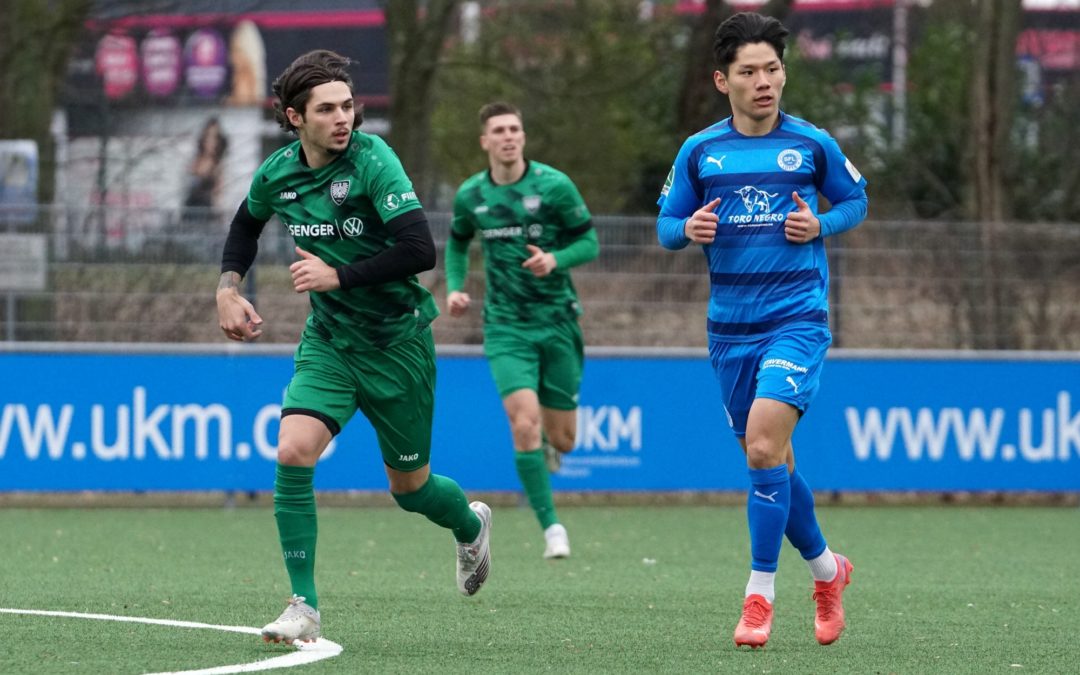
(310, 273)
(801, 225)
(539, 263)
(237, 317)
(700, 228)
(457, 302)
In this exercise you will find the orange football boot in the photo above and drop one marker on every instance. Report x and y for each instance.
(756, 622)
(829, 616)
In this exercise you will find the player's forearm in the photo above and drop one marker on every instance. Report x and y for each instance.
(412, 252)
(671, 231)
(229, 281)
(581, 250)
(843, 216)
(242, 242)
(456, 260)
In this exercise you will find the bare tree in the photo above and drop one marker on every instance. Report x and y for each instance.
(417, 32)
(36, 40)
(993, 94)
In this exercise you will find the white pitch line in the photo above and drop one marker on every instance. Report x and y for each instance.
(307, 652)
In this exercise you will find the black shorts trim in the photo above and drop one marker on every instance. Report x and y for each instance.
(328, 421)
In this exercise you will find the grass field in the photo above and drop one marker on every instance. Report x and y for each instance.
(648, 589)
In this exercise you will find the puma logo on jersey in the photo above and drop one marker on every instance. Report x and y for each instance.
(717, 162)
(794, 385)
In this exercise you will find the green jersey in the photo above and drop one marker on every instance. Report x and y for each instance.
(339, 212)
(543, 208)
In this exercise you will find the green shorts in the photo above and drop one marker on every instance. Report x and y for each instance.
(394, 388)
(546, 359)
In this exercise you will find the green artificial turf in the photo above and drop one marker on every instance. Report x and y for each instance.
(647, 589)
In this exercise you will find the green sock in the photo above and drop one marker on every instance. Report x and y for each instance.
(443, 502)
(537, 483)
(298, 527)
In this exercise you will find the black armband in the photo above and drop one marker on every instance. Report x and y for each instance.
(580, 229)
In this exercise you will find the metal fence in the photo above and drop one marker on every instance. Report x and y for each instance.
(142, 275)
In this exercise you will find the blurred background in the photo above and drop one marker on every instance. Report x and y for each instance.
(130, 132)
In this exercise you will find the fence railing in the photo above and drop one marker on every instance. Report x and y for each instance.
(145, 275)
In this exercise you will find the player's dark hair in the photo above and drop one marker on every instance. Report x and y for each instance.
(747, 28)
(498, 108)
(293, 87)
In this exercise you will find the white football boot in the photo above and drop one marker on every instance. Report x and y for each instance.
(553, 458)
(474, 560)
(558, 543)
(299, 622)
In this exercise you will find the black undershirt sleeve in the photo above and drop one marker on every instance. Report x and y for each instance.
(242, 244)
(412, 252)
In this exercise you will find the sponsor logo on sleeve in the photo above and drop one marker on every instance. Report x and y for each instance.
(394, 201)
(667, 181)
(852, 171)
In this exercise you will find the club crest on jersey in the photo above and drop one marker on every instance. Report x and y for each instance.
(339, 191)
(789, 160)
(531, 203)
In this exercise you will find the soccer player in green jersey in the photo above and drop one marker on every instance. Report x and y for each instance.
(361, 237)
(534, 226)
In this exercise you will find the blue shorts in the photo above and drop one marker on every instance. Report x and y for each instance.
(785, 366)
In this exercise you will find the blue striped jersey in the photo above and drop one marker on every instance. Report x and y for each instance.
(759, 281)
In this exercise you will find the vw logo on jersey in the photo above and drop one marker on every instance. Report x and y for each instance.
(535, 230)
(531, 203)
(789, 160)
(353, 227)
(339, 191)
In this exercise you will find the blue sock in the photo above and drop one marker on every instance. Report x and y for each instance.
(802, 526)
(767, 512)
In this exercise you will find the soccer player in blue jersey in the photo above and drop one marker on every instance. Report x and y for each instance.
(746, 191)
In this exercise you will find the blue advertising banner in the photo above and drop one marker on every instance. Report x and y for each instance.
(208, 421)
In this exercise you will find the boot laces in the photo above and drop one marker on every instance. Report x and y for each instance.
(755, 614)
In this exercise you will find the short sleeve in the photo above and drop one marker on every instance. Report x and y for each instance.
(258, 203)
(389, 186)
(570, 203)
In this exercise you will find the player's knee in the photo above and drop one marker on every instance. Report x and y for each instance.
(525, 426)
(293, 454)
(761, 454)
(562, 439)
